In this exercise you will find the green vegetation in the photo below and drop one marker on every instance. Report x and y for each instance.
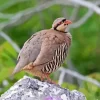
(84, 51)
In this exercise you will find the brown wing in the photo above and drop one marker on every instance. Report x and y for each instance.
(48, 48)
(29, 51)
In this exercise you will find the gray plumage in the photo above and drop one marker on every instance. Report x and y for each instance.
(46, 50)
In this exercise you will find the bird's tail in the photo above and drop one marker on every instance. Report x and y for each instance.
(17, 69)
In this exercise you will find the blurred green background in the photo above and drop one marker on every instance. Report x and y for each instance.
(19, 19)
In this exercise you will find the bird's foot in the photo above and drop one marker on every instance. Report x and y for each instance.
(49, 80)
(46, 78)
(52, 82)
(42, 78)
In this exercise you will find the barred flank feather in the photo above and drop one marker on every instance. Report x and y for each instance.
(58, 58)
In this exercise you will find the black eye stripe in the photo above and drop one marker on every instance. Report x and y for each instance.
(59, 23)
(63, 20)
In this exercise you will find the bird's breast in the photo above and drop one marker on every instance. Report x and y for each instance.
(68, 39)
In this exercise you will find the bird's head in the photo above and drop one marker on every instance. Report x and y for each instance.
(60, 24)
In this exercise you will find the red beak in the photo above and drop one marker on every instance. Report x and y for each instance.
(67, 22)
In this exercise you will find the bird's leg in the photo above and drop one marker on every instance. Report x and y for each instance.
(40, 75)
(47, 76)
(42, 78)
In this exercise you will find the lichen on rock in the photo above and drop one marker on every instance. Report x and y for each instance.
(32, 89)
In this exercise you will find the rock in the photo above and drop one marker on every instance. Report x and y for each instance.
(32, 89)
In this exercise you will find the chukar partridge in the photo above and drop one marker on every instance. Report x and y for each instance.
(45, 51)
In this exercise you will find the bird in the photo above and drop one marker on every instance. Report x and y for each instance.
(45, 51)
